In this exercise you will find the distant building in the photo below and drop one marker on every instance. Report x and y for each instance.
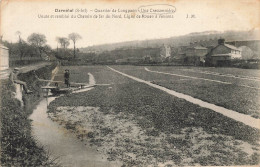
(196, 54)
(147, 59)
(165, 51)
(179, 54)
(222, 54)
(179, 58)
(4, 57)
(246, 45)
(197, 50)
(246, 52)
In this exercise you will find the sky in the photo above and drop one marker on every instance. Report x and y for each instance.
(23, 16)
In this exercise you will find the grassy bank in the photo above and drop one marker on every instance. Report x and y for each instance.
(17, 144)
(192, 135)
(30, 100)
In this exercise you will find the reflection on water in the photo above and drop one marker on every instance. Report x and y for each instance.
(63, 144)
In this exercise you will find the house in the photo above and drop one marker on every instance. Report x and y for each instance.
(222, 54)
(165, 51)
(196, 54)
(248, 47)
(4, 56)
(179, 54)
(246, 53)
(147, 59)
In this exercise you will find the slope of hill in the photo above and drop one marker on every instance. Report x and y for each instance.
(177, 40)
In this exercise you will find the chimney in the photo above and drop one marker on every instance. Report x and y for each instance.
(221, 41)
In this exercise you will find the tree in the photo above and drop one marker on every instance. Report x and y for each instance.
(74, 37)
(19, 35)
(21, 44)
(38, 41)
(64, 42)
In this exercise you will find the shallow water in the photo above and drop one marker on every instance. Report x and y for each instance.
(61, 143)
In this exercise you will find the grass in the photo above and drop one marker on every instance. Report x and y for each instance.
(241, 99)
(17, 144)
(75, 75)
(18, 147)
(156, 112)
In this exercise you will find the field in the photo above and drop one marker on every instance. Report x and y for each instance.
(240, 94)
(136, 124)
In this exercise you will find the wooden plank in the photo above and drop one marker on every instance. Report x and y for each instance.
(49, 87)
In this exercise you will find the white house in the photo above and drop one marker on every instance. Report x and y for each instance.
(165, 51)
(223, 53)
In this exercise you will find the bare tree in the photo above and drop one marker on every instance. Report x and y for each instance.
(21, 48)
(64, 42)
(19, 35)
(38, 41)
(74, 37)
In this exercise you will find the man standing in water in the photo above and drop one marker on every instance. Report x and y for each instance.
(67, 78)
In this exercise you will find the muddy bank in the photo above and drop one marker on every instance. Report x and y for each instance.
(17, 144)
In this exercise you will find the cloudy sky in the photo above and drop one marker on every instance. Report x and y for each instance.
(22, 15)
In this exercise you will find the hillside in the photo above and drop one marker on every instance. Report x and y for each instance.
(177, 40)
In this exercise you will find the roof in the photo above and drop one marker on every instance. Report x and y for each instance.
(232, 47)
(196, 46)
(199, 47)
(3, 47)
(216, 55)
(227, 45)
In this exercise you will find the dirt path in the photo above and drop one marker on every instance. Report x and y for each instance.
(246, 119)
(25, 69)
